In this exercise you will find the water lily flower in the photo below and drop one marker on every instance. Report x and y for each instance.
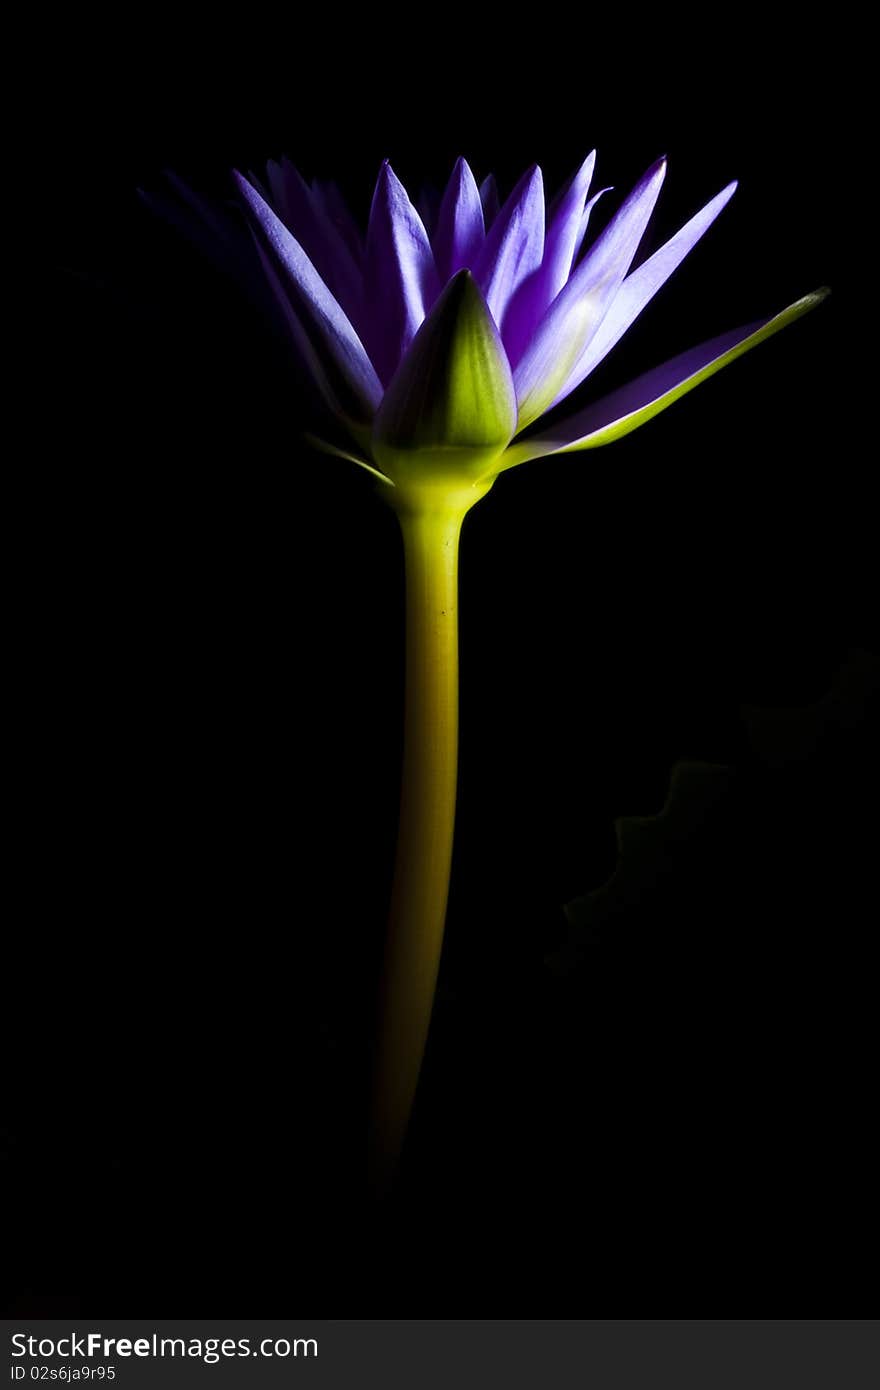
(461, 334)
(436, 344)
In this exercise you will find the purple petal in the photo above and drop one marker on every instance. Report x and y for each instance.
(306, 353)
(331, 338)
(641, 286)
(428, 206)
(540, 291)
(636, 395)
(220, 237)
(633, 405)
(329, 198)
(212, 217)
(555, 349)
(459, 236)
(278, 201)
(537, 293)
(401, 278)
(552, 354)
(585, 220)
(261, 188)
(303, 213)
(490, 200)
(197, 232)
(563, 231)
(611, 255)
(514, 247)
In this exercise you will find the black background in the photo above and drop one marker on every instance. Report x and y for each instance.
(211, 628)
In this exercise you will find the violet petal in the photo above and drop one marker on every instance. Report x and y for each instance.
(634, 404)
(332, 339)
(585, 219)
(490, 200)
(641, 286)
(560, 244)
(563, 231)
(459, 234)
(612, 253)
(514, 247)
(303, 212)
(329, 198)
(553, 351)
(400, 277)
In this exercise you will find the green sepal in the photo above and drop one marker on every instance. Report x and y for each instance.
(450, 408)
(554, 441)
(326, 447)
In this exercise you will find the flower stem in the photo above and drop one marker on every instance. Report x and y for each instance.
(431, 527)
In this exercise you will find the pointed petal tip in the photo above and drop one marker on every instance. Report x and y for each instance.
(653, 176)
(461, 285)
(806, 302)
(248, 192)
(462, 172)
(582, 177)
(815, 296)
(387, 178)
(721, 199)
(533, 181)
(531, 176)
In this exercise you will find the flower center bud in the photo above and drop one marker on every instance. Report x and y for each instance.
(450, 409)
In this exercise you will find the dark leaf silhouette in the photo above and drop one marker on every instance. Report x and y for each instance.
(648, 849)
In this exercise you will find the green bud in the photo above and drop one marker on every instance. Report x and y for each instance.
(450, 409)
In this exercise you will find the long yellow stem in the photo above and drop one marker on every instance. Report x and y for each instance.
(431, 530)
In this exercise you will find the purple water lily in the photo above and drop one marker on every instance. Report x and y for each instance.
(552, 304)
(435, 343)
